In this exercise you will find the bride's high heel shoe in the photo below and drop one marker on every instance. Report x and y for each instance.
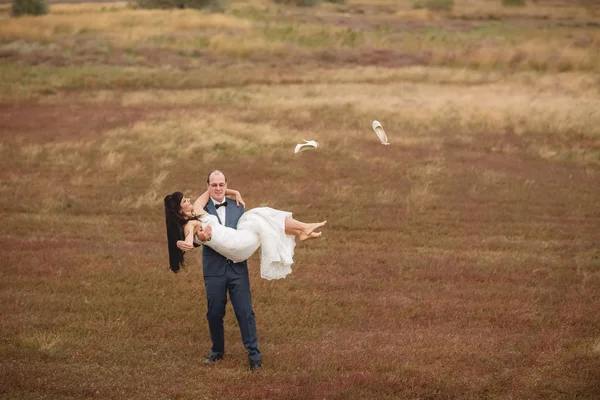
(380, 133)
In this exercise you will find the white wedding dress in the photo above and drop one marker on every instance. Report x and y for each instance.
(262, 227)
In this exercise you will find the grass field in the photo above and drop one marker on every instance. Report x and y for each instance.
(460, 262)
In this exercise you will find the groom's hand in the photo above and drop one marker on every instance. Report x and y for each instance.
(204, 235)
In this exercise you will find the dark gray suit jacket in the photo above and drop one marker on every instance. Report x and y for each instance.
(213, 263)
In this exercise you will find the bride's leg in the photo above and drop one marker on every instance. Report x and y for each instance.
(314, 235)
(295, 227)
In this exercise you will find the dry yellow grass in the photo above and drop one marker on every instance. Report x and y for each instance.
(538, 54)
(43, 341)
(430, 169)
(547, 106)
(125, 25)
(445, 263)
(170, 139)
(569, 10)
(415, 104)
(112, 160)
(87, 7)
(190, 30)
(466, 249)
(194, 134)
(244, 46)
(420, 197)
(486, 9)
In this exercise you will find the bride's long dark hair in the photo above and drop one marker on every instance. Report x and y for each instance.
(175, 222)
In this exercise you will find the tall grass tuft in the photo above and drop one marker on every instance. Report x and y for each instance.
(212, 5)
(28, 7)
(435, 5)
(298, 3)
(513, 3)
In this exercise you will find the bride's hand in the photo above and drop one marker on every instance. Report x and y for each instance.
(238, 199)
(183, 246)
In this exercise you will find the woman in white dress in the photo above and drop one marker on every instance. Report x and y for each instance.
(274, 231)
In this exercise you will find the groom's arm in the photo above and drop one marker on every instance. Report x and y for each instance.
(202, 235)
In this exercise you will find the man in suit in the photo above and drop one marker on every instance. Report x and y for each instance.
(222, 275)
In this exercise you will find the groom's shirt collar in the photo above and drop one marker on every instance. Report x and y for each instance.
(221, 211)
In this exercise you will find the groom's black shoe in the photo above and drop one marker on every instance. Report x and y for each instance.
(213, 358)
(255, 365)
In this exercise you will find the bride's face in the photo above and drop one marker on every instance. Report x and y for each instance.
(186, 206)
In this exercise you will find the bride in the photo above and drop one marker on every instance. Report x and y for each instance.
(272, 230)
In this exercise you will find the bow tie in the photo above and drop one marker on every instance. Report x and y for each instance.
(223, 204)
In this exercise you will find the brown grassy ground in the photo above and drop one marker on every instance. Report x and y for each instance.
(460, 262)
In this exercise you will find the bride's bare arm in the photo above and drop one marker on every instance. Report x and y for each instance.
(188, 230)
(236, 195)
(202, 201)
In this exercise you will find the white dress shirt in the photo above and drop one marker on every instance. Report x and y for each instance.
(221, 212)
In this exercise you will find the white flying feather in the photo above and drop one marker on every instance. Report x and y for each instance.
(380, 133)
(307, 145)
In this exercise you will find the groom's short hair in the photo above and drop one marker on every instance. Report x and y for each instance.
(216, 170)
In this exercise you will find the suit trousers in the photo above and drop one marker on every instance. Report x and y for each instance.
(238, 286)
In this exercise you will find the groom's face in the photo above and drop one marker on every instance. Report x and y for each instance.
(217, 186)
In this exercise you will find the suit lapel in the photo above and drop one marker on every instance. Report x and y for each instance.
(228, 213)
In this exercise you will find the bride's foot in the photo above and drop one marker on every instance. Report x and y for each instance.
(311, 227)
(313, 235)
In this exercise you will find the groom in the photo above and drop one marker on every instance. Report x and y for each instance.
(222, 275)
